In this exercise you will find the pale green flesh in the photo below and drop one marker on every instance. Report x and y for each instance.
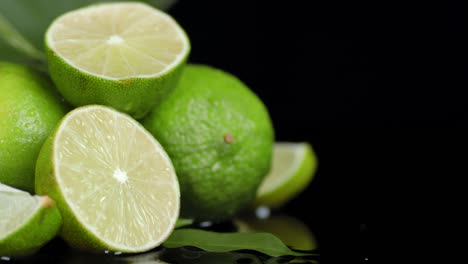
(118, 41)
(116, 178)
(287, 159)
(16, 208)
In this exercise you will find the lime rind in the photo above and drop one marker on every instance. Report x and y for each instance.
(293, 181)
(135, 96)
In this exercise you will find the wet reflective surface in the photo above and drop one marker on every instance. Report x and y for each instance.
(160, 255)
(289, 229)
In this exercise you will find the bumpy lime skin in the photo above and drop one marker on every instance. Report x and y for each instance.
(39, 230)
(219, 136)
(134, 96)
(30, 107)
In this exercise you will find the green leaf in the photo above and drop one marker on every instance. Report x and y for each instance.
(181, 222)
(23, 24)
(13, 38)
(224, 242)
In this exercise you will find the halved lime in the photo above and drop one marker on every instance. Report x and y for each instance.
(26, 222)
(294, 165)
(113, 182)
(126, 55)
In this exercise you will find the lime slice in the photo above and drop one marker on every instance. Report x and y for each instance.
(113, 182)
(294, 165)
(26, 222)
(127, 55)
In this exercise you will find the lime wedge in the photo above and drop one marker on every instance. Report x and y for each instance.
(26, 222)
(294, 165)
(113, 182)
(126, 55)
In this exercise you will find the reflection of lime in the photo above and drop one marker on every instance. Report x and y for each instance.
(113, 182)
(293, 168)
(29, 110)
(292, 231)
(219, 135)
(26, 222)
(126, 55)
(146, 258)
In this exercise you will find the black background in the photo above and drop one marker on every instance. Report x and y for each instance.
(377, 89)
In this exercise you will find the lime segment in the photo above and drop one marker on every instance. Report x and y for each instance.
(294, 165)
(112, 179)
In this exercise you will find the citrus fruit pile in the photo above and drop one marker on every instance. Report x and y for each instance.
(124, 137)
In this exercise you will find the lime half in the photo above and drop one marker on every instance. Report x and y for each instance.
(294, 165)
(113, 182)
(26, 222)
(126, 55)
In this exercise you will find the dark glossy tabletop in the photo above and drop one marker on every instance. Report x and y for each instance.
(57, 251)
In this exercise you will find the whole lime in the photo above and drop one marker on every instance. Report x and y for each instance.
(219, 136)
(29, 109)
